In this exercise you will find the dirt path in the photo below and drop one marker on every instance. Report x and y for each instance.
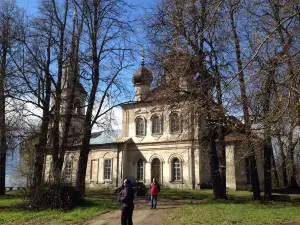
(142, 214)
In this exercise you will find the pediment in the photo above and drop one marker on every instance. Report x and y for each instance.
(140, 111)
(156, 109)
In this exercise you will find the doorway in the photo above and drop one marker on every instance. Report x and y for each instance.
(156, 170)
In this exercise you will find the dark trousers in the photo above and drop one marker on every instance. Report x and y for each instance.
(153, 201)
(126, 216)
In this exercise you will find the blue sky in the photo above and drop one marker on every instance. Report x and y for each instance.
(31, 8)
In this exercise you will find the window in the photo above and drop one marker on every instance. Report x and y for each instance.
(156, 125)
(174, 123)
(107, 169)
(176, 169)
(140, 169)
(94, 169)
(68, 169)
(140, 126)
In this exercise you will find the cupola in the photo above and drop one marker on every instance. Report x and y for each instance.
(142, 79)
(142, 75)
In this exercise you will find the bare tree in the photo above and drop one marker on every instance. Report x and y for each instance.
(245, 105)
(106, 28)
(9, 30)
(186, 29)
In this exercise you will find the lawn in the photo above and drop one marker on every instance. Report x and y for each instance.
(239, 209)
(12, 212)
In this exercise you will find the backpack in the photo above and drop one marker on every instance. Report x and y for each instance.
(154, 189)
(158, 186)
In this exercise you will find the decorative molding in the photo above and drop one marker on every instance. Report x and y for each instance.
(175, 155)
(156, 109)
(140, 111)
(161, 159)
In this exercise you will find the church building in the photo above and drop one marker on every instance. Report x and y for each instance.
(156, 141)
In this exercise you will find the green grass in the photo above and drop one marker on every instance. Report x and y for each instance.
(12, 212)
(177, 194)
(239, 209)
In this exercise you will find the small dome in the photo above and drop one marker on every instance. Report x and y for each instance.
(142, 76)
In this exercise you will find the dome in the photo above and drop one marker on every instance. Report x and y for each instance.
(142, 76)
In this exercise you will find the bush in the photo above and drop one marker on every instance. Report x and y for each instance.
(61, 196)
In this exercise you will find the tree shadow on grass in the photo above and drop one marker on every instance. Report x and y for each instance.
(87, 203)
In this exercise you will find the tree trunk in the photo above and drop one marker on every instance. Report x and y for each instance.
(3, 144)
(221, 128)
(57, 157)
(222, 161)
(84, 150)
(274, 169)
(214, 169)
(268, 149)
(291, 166)
(254, 174)
(267, 169)
(83, 159)
(283, 162)
(285, 40)
(40, 149)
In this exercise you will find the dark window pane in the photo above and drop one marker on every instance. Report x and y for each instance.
(140, 170)
(68, 169)
(176, 169)
(156, 125)
(174, 123)
(140, 126)
(107, 169)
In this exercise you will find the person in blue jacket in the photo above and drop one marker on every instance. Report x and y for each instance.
(127, 205)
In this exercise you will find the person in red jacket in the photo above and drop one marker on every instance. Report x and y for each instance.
(154, 190)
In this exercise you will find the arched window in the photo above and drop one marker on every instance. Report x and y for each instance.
(140, 169)
(176, 170)
(174, 121)
(156, 124)
(140, 126)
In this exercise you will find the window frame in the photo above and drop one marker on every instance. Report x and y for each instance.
(159, 125)
(171, 123)
(110, 170)
(140, 173)
(178, 167)
(137, 119)
(68, 169)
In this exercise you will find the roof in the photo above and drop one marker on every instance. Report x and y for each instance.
(142, 76)
(107, 137)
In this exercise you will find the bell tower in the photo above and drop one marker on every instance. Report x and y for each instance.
(79, 102)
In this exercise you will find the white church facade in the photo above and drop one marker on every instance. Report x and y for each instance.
(155, 142)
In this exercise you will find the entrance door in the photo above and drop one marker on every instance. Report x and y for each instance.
(155, 170)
